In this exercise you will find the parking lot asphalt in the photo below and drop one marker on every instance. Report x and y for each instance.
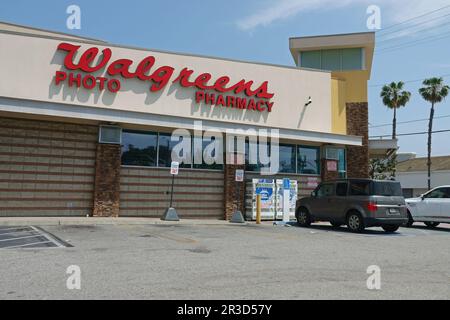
(230, 262)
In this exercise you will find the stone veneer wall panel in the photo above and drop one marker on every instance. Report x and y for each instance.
(358, 125)
(107, 181)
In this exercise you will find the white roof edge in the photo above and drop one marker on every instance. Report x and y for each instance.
(30, 107)
(69, 37)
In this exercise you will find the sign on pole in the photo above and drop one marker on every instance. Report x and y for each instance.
(174, 168)
(171, 214)
(286, 195)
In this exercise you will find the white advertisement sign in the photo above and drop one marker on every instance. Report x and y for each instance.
(174, 166)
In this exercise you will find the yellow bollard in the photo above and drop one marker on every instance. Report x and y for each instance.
(258, 209)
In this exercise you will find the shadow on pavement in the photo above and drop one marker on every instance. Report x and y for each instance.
(438, 228)
(344, 229)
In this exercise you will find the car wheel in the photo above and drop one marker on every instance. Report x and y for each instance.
(335, 224)
(355, 222)
(430, 224)
(303, 217)
(390, 227)
(410, 220)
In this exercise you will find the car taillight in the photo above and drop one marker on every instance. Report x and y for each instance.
(372, 206)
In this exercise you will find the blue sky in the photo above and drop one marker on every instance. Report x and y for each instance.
(258, 30)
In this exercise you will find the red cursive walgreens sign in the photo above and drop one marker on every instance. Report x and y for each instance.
(158, 79)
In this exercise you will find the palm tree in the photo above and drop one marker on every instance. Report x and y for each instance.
(394, 97)
(434, 91)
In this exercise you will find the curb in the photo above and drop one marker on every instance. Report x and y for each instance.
(50, 221)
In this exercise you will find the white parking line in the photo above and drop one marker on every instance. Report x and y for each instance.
(48, 237)
(10, 239)
(26, 245)
(15, 232)
(14, 228)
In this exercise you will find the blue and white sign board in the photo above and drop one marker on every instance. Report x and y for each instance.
(272, 197)
(286, 183)
(265, 188)
(292, 194)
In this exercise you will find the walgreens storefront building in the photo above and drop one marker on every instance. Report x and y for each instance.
(86, 127)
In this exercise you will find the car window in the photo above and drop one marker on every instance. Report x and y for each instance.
(437, 194)
(447, 193)
(341, 189)
(325, 190)
(388, 189)
(360, 188)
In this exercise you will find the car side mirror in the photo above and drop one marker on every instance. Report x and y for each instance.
(313, 194)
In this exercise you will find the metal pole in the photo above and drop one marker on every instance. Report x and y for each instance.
(171, 191)
(258, 209)
(238, 187)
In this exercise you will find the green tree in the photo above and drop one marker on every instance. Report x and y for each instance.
(394, 97)
(383, 168)
(434, 91)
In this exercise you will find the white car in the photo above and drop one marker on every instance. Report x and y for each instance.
(432, 207)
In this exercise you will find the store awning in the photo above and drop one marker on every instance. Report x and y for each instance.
(70, 111)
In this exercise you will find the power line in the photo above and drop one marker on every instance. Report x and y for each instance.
(411, 81)
(383, 42)
(415, 25)
(405, 122)
(413, 43)
(413, 18)
(410, 133)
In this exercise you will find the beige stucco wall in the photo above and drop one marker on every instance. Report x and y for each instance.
(29, 63)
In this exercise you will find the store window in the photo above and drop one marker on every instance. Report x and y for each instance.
(255, 165)
(250, 166)
(287, 158)
(198, 154)
(333, 59)
(165, 146)
(310, 59)
(139, 148)
(308, 160)
(352, 59)
(152, 149)
(342, 163)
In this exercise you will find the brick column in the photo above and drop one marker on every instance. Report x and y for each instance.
(328, 175)
(231, 188)
(107, 181)
(358, 125)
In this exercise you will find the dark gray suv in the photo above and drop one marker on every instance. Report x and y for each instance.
(358, 203)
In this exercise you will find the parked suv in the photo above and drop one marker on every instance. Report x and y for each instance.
(358, 203)
(431, 208)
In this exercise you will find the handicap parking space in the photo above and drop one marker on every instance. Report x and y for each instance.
(25, 237)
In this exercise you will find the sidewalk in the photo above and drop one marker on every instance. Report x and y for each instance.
(53, 221)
